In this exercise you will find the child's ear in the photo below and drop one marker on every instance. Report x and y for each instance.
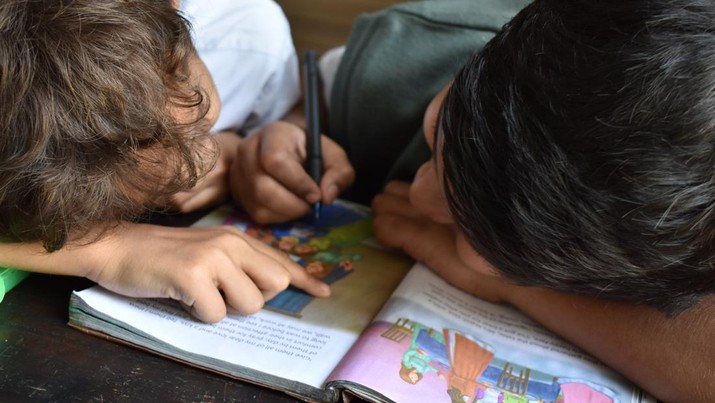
(175, 3)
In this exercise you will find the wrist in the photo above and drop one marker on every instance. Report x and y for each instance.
(77, 258)
(227, 143)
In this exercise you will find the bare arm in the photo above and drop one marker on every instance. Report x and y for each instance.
(671, 358)
(205, 268)
(264, 173)
(31, 256)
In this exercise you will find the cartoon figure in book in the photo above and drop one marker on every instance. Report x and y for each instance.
(305, 250)
(317, 245)
(333, 217)
(336, 264)
(472, 373)
(286, 243)
(328, 265)
(262, 234)
(331, 273)
(579, 390)
(457, 358)
(427, 353)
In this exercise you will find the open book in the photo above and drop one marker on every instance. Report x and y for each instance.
(391, 331)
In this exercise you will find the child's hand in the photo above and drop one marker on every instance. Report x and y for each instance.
(398, 224)
(268, 179)
(212, 188)
(205, 268)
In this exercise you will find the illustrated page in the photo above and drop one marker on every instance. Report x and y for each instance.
(296, 336)
(435, 343)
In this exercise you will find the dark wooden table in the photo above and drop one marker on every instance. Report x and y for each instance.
(43, 359)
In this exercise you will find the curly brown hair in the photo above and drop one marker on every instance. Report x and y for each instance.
(86, 132)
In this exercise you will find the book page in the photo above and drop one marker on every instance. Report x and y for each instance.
(266, 341)
(296, 336)
(439, 344)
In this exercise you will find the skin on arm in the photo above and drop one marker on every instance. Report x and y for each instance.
(265, 175)
(205, 269)
(212, 189)
(670, 357)
(269, 180)
(264, 172)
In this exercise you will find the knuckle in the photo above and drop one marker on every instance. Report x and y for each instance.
(281, 281)
(225, 238)
(275, 286)
(231, 238)
(274, 161)
(349, 174)
(192, 271)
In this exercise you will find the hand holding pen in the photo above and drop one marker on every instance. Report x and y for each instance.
(276, 176)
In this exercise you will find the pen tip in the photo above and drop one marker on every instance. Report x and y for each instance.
(316, 210)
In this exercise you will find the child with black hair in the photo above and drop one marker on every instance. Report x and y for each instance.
(572, 174)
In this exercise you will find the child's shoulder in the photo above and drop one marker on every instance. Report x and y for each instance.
(230, 24)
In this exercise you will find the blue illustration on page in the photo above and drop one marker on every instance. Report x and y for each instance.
(318, 245)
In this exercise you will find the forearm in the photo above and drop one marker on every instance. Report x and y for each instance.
(32, 256)
(206, 268)
(672, 358)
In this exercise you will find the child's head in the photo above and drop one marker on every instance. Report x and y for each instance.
(578, 149)
(104, 109)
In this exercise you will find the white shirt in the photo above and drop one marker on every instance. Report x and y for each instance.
(247, 47)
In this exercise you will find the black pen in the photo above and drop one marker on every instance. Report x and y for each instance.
(314, 159)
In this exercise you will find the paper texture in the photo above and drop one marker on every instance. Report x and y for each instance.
(435, 343)
(388, 331)
(299, 338)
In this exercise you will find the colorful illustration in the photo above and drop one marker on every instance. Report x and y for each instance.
(422, 363)
(468, 359)
(426, 353)
(316, 244)
(458, 359)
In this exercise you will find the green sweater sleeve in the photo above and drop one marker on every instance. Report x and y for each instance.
(395, 61)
